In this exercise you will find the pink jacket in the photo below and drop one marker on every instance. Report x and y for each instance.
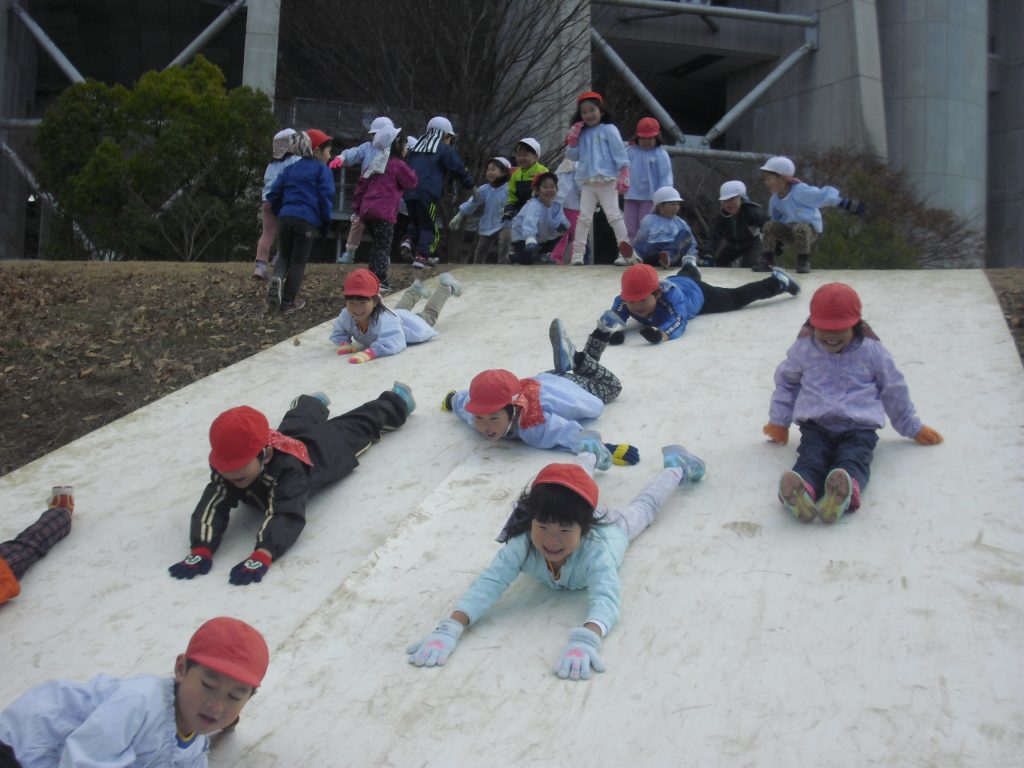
(378, 196)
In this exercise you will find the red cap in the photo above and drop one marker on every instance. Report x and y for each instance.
(639, 282)
(236, 438)
(589, 95)
(361, 282)
(492, 390)
(572, 476)
(317, 138)
(835, 307)
(231, 647)
(648, 128)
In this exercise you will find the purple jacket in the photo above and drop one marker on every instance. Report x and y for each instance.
(855, 389)
(378, 197)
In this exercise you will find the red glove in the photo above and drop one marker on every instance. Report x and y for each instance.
(622, 183)
(336, 163)
(573, 137)
(348, 347)
(363, 357)
(776, 433)
(927, 436)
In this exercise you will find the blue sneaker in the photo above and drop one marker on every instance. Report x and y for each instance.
(562, 348)
(447, 279)
(419, 289)
(677, 456)
(404, 391)
(789, 285)
(610, 322)
(347, 257)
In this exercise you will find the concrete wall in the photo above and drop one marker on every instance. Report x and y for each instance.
(17, 88)
(261, 41)
(1006, 136)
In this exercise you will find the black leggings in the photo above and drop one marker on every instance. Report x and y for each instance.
(295, 237)
(7, 758)
(729, 299)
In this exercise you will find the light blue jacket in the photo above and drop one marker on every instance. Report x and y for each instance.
(801, 205)
(539, 221)
(681, 300)
(273, 171)
(852, 390)
(563, 403)
(600, 154)
(388, 332)
(649, 169)
(660, 233)
(105, 723)
(568, 189)
(493, 199)
(361, 155)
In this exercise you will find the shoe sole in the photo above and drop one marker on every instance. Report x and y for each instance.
(560, 346)
(796, 499)
(836, 500)
(274, 294)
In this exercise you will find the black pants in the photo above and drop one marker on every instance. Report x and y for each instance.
(381, 232)
(295, 237)
(7, 758)
(747, 254)
(520, 256)
(423, 231)
(821, 451)
(729, 299)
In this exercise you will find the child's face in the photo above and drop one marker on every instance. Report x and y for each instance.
(732, 205)
(668, 210)
(775, 183)
(833, 341)
(207, 701)
(493, 426)
(646, 142)
(493, 173)
(525, 157)
(555, 541)
(645, 307)
(590, 113)
(323, 152)
(547, 191)
(360, 307)
(246, 476)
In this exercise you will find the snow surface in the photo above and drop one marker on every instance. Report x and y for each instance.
(746, 638)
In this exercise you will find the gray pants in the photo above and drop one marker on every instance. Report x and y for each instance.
(503, 237)
(434, 306)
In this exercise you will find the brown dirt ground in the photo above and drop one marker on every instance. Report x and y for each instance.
(83, 344)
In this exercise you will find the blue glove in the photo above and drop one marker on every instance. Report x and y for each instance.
(623, 454)
(435, 648)
(653, 335)
(590, 442)
(580, 655)
(198, 563)
(253, 568)
(856, 207)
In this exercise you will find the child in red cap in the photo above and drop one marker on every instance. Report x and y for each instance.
(663, 307)
(35, 541)
(837, 383)
(557, 534)
(276, 470)
(650, 169)
(140, 720)
(545, 410)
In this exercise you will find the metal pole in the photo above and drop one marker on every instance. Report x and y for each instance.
(747, 101)
(713, 10)
(717, 154)
(638, 87)
(47, 44)
(19, 122)
(204, 37)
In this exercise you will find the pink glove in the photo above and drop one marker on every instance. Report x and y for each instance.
(363, 357)
(348, 347)
(573, 137)
(622, 183)
(777, 433)
(336, 163)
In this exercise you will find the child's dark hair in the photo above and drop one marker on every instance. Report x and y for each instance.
(398, 145)
(551, 503)
(858, 329)
(378, 304)
(540, 178)
(506, 174)
(606, 116)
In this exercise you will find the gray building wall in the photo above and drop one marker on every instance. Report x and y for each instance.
(262, 21)
(18, 60)
(1006, 135)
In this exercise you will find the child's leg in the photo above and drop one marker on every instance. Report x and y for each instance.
(362, 427)
(504, 245)
(588, 204)
(610, 205)
(519, 254)
(287, 235)
(642, 510)
(408, 299)
(355, 234)
(775, 235)
(483, 247)
(380, 251)
(428, 232)
(854, 451)
(302, 243)
(589, 374)
(804, 238)
(632, 215)
(435, 304)
(815, 455)
(268, 234)
(306, 410)
(36, 540)
(730, 299)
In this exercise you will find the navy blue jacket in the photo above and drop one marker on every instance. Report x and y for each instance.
(304, 190)
(431, 168)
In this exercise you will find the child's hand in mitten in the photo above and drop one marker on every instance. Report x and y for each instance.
(348, 347)
(623, 454)
(622, 183)
(573, 137)
(927, 436)
(653, 335)
(777, 433)
(336, 163)
(580, 655)
(198, 563)
(363, 357)
(856, 207)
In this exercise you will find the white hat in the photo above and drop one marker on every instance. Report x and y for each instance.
(780, 165)
(379, 123)
(503, 161)
(732, 189)
(532, 144)
(410, 141)
(443, 124)
(282, 143)
(666, 195)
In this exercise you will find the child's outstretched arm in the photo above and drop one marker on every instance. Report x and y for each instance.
(787, 387)
(209, 521)
(895, 395)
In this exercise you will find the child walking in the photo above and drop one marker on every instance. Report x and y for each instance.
(735, 237)
(276, 470)
(281, 151)
(838, 383)
(664, 239)
(540, 224)
(366, 329)
(35, 541)
(378, 195)
(544, 411)
(302, 197)
(795, 213)
(493, 197)
(140, 721)
(602, 172)
(559, 535)
(664, 307)
(649, 170)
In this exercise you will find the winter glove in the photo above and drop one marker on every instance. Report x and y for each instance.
(435, 648)
(573, 137)
(623, 454)
(532, 248)
(456, 221)
(927, 436)
(777, 433)
(590, 442)
(622, 183)
(580, 655)
(446, 402)
(348, 347)
(856, 207)
(336, 163)
(653, 335)
(198, 563)
(509, 213)
(253, 568)
(363, 357)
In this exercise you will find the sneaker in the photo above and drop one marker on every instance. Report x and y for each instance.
(419, 289)
(766, 264)
(789, 285)
(577, 260)
(798, 497)
(385, 288)
(292, 306)
(562, 348)
(347, 257)
(689, 269)
(421, 262)
(432, 260)
(447, 279)
(626, 250)
(677, 456)
(610, 322)
(274, 293)
(259, 272)
(404, 391)
(620, 261)
(62, 497)
(803, 265)
(838, 494)
(406, 250)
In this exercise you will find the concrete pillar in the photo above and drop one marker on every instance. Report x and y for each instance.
(934, 62)
(261, 39)
(18, 56)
